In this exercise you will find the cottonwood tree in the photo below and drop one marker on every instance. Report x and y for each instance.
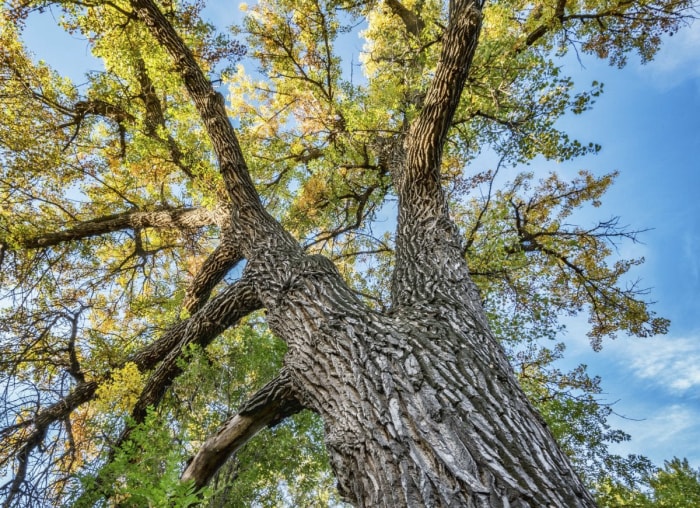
(130, 205)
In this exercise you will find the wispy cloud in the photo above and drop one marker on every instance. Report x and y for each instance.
(675, 420)
(671, 363)
(669, 431)
(677, 61)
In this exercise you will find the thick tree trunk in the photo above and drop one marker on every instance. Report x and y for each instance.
(420, 404)
(421, 407)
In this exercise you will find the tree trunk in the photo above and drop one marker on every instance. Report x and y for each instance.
(421, 407)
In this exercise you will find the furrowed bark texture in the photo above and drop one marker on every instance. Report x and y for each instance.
(252, 225)
(420, 405)
(426, 236)
(214, 269)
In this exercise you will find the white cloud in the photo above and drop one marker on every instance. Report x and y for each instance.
(677, 61)
(670, 431)
(675, 420)
(672, 363)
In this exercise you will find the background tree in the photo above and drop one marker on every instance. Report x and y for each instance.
(675, 485)
(129, 206)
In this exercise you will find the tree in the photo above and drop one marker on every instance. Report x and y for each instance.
(676, 485)
(129, 202)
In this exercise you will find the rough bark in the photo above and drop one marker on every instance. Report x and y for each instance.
(425, 233)
(252, 224)
(215, 267)
(420, 405)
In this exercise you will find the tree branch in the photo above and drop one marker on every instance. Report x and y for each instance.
(220, 313)
(413, 22)
(223, 311)
(541, 30)
(428, 133)
(424, 222)
(211, 107)
(234, 303)
(640, 16)
(180, 218)
(215, 267)
(274, 402)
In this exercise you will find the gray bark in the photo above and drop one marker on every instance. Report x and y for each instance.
(420, 405)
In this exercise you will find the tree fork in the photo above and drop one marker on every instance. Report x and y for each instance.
(421, 407)
(409, 422)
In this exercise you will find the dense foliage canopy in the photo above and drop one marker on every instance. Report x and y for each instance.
(116, 254)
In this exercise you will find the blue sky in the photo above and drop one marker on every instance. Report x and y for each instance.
(648, 122)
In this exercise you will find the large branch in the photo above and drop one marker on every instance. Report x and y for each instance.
(213, 270)
(412, 21)
(234, 303)
(420, 177)
(222, 312)
(274, 402)
(179, 218)
(211, 107)
(427, 240)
